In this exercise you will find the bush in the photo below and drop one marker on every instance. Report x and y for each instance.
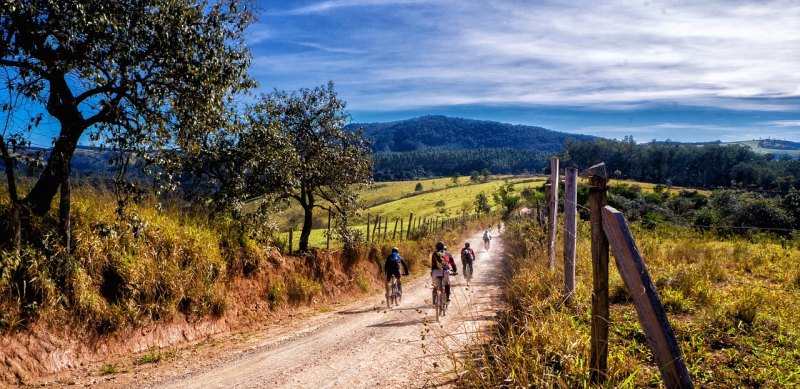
(301, 289)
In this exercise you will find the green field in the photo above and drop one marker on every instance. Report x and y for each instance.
(398, 199)
(753, 144)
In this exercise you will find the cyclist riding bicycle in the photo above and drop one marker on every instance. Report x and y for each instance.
(467, 257)
(441, 264)
(392, 268)
(486, 238)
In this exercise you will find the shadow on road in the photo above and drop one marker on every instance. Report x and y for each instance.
(395, 324)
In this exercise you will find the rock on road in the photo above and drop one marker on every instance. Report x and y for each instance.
(365, 344)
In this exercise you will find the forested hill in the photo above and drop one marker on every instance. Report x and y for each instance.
(442, 132)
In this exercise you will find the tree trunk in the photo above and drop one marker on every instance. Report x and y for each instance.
(41, 196)
(308, 220)
(63, 214)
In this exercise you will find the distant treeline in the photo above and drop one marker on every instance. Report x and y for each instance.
(437, 162)
(707, 166)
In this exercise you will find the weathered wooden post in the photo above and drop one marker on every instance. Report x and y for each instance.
(377, 229)
(659, 334)
(401, 228)
(570, 231)
(368, 221)
(394, 232)
(553, 214)
(410, 220)
(598, 361)
(291, 232)
(328, 235)
(385, 227)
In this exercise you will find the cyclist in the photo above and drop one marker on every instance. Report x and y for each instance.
(392, 268)
(441, 264)
(467, 257)
(487, 239)
(499, 227)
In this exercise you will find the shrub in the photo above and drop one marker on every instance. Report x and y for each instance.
(301, 289)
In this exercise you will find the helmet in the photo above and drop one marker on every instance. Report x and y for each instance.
(395, 250)
(440, 246)
(466, 245)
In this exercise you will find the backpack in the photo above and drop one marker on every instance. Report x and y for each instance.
(396, 257)
(439, 260)
(466, 254)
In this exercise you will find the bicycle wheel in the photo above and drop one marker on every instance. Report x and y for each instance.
(439, 303)
(399, 295)
(390, 293)
(395, 294)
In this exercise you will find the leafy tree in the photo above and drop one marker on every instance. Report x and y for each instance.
(418, 187)
(474, 176)
(455, 177)
(482, 203)
(138, 75)
(485, 173)
(323, 159)
(507, 197)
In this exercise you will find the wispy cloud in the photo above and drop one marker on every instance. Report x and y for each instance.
(331, 5)
(405, 54)
(782, 123)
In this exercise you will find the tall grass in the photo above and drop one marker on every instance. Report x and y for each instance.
(734, 305)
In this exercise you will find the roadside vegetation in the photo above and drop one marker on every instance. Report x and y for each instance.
(731, 295)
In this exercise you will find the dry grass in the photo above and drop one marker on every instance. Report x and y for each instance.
(734, 305)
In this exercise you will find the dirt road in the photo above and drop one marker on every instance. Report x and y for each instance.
(363, 344)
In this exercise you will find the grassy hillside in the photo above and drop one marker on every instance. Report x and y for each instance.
(771, 147)
(378, 201)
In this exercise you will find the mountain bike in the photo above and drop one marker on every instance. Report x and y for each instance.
(439, 298)
(486, 243)
(467, 265)
(393, 295)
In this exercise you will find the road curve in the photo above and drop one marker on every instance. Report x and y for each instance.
(366, 345)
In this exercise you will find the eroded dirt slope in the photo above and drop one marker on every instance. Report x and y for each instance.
(349, 347)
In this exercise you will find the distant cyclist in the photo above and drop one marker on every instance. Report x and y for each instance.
(442, 263)
(487, 238)
(499, 227)
(467, 257)
(392, 268)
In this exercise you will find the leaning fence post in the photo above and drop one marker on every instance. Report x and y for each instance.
(659, 334)
(394, 232)
(553, 214)
(385, 226)
(570, 231)
(598, 362)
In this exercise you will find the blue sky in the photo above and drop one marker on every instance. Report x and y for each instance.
(688, 71)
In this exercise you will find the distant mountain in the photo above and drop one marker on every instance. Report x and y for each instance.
(442, 132)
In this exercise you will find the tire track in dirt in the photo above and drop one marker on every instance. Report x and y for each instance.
(364, 344)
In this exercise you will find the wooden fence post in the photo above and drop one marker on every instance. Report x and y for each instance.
(553, 214)
(401, 228)
(410, 220)
(394, 232)
(385, 227)
(598, 362)
(368, 220)
(570, 231)
(659, 334)
(291, 232)
(328, 235)
(377, 229)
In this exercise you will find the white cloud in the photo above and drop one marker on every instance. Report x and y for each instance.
(735, 55)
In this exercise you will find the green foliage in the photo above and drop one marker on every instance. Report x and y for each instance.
(133, 73)
(390, 166)
(109, 368)
(482, 204)
(419, 187)
(507, 198)
(455, 177)
(712, 165)
(302, 290)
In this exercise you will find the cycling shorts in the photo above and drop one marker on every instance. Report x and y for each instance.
(393, 272)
